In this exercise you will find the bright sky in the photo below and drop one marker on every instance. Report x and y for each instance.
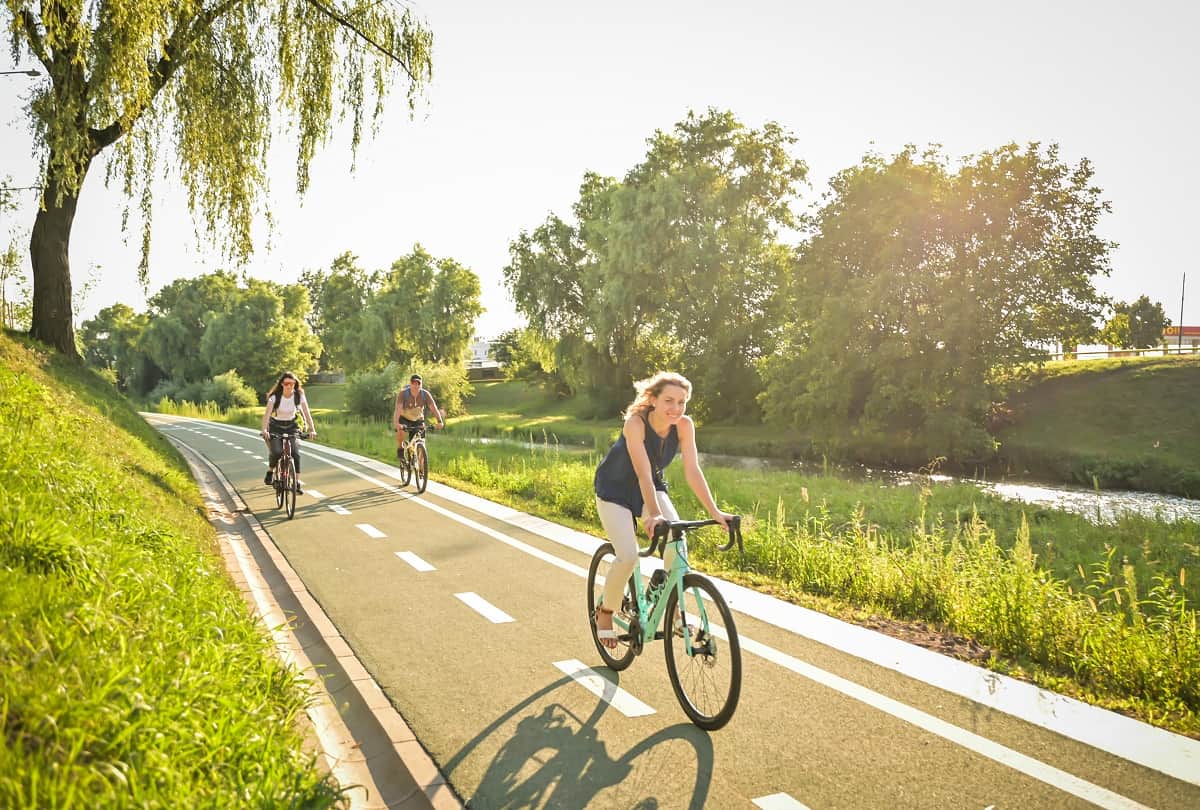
(527, 96)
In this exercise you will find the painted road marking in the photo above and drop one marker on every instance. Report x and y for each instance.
(779, 801)
(369, 530)
(415, 561)
(341, 510)
(484, 608)
(604, 689)
(312, 492)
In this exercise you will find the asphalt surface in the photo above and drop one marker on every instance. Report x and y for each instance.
(471, 625)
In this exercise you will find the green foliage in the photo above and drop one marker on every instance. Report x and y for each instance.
(262, 334)
(130, 670)
(919, 281)
(114, 341)
(372, 394)
(15, 306)
(1146, 320)
(676, 266)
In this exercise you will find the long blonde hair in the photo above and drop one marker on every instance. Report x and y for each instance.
(651, 387)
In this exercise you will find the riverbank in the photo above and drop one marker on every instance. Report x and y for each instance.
(130, 669)
(1103, 613)
(1125, 423)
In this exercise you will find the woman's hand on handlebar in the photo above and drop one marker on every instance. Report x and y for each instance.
(649, 522)
(722, 518)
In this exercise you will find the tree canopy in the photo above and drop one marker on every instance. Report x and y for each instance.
(207, 82)
(678, 264)
(922, 279)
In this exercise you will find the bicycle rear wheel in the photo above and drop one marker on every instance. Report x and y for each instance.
(422, 468)
(290, 484)
(624, 616)
(708, 682)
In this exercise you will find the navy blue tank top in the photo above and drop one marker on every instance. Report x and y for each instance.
(616, 481)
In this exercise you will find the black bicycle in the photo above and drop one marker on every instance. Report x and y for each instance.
(285, 479)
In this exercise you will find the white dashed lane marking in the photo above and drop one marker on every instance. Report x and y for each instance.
(341, 510)
(369, 530)
(415, 561)
(484, 608)
(604, 689)
(779, 801)
(313, 493)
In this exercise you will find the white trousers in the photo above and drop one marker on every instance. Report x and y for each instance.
(618, 524)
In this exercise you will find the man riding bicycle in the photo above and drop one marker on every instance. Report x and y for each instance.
(409, 416)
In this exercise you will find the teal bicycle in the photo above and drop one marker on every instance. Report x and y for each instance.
(704, 657)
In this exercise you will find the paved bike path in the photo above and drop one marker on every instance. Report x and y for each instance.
(508, 727)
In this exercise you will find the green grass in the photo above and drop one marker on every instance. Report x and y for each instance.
(131, 673)
(1132, 422)
(1103, 613)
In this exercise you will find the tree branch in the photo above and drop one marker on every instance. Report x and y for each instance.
(36, 43)
(347, 23)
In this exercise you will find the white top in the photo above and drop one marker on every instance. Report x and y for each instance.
(285, 411)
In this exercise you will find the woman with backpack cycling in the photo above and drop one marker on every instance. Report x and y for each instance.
(411, 401)
(285, 401)
(629, 482)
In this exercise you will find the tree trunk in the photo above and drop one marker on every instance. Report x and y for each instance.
(49, 253)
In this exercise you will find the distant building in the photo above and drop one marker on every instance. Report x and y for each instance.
(1191, 337)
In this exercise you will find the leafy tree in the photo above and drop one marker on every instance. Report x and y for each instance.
(448, 319)
(15, 308)
(113, 340)
(180, 314)
(344, 295)
(263, 334)
(1116, 332)
(920, 281)
(677, 265)
(1147, 320)
(196, 79)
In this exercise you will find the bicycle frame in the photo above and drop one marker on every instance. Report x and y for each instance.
(653, 609)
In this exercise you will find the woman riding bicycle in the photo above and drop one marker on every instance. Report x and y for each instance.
(629, 481)
(284, 401)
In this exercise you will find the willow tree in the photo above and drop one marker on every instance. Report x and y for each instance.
(197, 80)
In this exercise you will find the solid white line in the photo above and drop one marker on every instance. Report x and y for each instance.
(339, 509)
(934, 725)
(485, 608)
(415, 561)
(369, 530)
(604, 689)
(312, 492)
(779, 801)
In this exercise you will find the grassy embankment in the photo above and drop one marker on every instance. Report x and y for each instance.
(1104, 613)
(131, 672)
(1132, 422)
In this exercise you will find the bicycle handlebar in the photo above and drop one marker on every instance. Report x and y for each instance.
(287, 433)
(676, 528)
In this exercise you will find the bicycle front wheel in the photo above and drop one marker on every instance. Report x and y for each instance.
(708, 681)
(278, 486)
(624, 616)
(422, 468)
(405, 467)
(290, 484)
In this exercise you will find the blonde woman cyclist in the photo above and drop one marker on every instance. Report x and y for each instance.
(285, 401)
(629, 482)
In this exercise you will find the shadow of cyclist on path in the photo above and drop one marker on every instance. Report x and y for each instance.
(555, 759)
